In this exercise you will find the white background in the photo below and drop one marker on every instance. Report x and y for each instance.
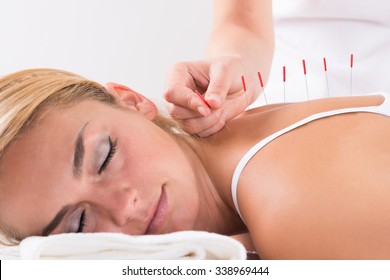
(134, 42)
(127, 41)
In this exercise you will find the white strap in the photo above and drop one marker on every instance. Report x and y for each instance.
(383, 109)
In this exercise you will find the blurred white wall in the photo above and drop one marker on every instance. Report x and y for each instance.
(127, 41)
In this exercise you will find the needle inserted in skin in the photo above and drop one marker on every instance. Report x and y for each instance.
(262, 87)
(350, 80)
(284, 84)
(304, 73)
(326, 76)
(244, 86)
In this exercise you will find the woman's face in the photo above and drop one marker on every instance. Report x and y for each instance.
(97, 168)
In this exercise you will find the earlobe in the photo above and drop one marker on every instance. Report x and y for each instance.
(133, 100)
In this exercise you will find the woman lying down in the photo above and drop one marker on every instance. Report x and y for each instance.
(308, 180)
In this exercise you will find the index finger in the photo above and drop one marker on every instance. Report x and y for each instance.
(184, 97)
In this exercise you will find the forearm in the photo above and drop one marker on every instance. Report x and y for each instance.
(243, 28)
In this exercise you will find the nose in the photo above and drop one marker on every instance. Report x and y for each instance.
(120, 204)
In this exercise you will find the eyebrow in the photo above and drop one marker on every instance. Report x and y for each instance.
(77, 164)
(79, 151)
(56, 221)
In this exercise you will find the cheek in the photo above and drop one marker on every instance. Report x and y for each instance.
(186, 206)
(154, 160)
(148, 155)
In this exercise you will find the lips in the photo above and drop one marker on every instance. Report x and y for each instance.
(159, 214)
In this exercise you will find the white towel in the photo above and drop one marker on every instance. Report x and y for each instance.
(9, 253)
(117, 246)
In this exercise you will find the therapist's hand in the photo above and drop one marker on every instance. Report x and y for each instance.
(219, 80)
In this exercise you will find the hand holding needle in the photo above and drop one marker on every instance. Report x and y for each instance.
(208, 105)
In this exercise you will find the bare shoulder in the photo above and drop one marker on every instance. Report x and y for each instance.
(321, 191)
(241, 133)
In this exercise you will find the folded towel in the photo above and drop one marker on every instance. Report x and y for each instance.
(9, 253)
(117, 246)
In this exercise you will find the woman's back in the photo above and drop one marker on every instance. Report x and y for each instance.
(318, 191)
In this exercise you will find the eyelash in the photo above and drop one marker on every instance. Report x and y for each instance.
(81, 222)
(111, 153)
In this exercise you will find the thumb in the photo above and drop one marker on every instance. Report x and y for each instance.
(219, 85)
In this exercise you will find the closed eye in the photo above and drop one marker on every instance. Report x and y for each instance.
(110, 154)
(81, 222)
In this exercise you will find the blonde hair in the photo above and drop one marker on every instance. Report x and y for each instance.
(24, 95)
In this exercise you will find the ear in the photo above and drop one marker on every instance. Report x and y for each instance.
(133, 100)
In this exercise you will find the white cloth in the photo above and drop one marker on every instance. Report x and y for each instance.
(314, 29)
(9, 253)
(117, 246)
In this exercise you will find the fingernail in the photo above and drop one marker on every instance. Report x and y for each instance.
(202, 111)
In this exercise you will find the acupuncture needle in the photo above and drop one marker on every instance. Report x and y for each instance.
(244, 86)
(262, 87)
(208, 105)
(202, 98)
(350, 80)
(284, 83)
(304, 73)
(326, 76)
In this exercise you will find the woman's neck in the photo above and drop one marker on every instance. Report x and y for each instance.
(216, 212)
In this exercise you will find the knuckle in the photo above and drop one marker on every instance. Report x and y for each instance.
(174, 111)
(171, 93)
(168, 95)
(191, 102)
(218, 85)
